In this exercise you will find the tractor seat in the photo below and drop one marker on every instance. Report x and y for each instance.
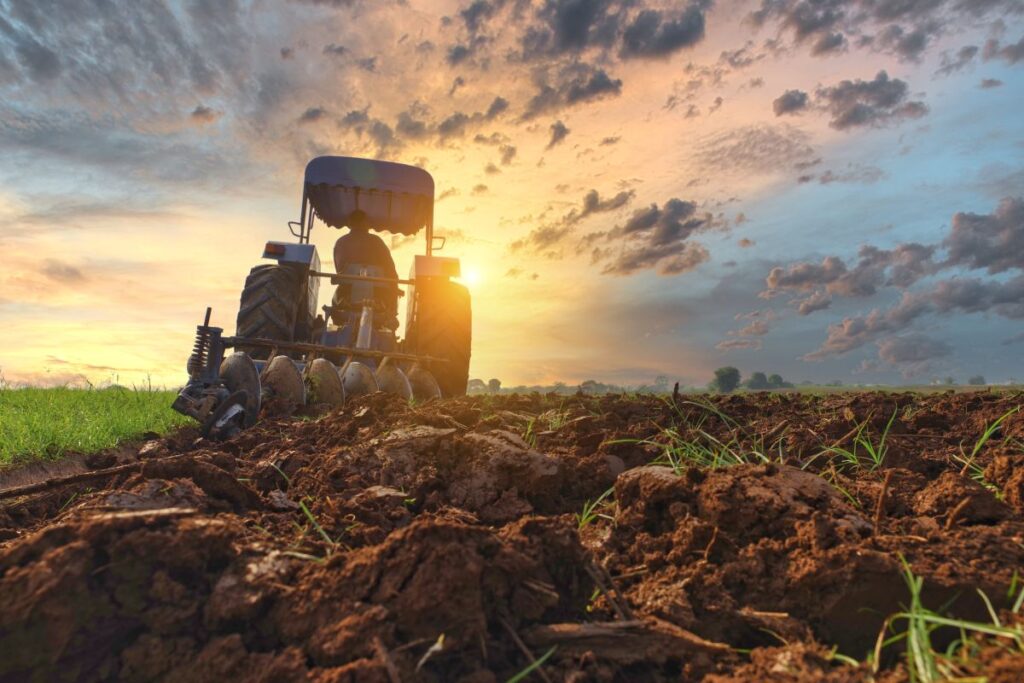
(350, 295)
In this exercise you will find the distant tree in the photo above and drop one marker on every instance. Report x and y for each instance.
(977, 381)
(494, 386)
(758, 382)
(476, 386)
(727, 379)
(776, 381)
(949, 381)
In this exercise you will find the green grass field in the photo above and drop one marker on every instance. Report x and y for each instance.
(49, 423)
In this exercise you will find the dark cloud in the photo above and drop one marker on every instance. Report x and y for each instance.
(609, 141)
(454, 126)
(491, 169)
(991, 242)
(963, 58)
(409, 127)
(818, 301)
(61, 272)
(652, 34)
(202, 115)
(497, 107)
(508, 153)
(559, 131)
(869, 103)
(994, 242)
(477, 13)
(852, 333)
(988, 83)
(900, 267)
(376, 131)
(41, 63)
(561, 28)
(655, 237)
(312, 115)
(480, 189)
(790, 102)
(829, 43)
(457, 54)
(1011, 54)
(544, 238)
(367, 64)
(335, 50)
(908, 45)
(287, 53)
(912, 352)
(571, 85)
(457, 83)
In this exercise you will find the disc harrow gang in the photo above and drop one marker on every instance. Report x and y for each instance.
(227, 392)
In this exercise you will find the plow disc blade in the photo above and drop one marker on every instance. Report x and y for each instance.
(239, 373)
(392, 380)
(324, 383)
(424, 386)
(358, 380)
(283, 381)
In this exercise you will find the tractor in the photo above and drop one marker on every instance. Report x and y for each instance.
(288, 351)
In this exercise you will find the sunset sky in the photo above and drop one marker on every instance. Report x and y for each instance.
(827, 189)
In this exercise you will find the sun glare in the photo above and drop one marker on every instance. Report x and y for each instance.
(471, 277)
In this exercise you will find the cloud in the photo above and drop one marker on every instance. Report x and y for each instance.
(739, 344)
(61, 272)
(988, 83)
(652, 34)
(754, 149)
(991, 242)
(545, 237)
(655, 237)
(312, 115)
(994, 242)
(790, 102)
(508, 153)
(876, 102)
(559, 131)
(203, 115)
(900, 267)
(854, 332)
(963, 58)
(904, 28)
(1011, 54)
(912, 348)
(912, 353)
(570, 85)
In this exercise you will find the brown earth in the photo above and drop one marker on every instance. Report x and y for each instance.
(383, 542)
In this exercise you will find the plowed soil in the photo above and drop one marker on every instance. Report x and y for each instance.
(443, 542)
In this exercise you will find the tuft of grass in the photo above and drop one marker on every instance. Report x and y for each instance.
(536, 664)
(42, 423)
(971, 467)
(865, 453)
(591, 510)
(924, 664)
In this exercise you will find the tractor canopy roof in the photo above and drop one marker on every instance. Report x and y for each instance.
(395, 197)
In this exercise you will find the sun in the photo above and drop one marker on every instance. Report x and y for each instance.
(471, 277)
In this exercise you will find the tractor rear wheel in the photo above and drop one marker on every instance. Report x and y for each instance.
(442, 327)
(273, 306)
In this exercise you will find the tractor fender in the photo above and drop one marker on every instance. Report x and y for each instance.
(302, 256)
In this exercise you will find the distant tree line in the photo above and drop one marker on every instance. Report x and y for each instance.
(728, 379)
